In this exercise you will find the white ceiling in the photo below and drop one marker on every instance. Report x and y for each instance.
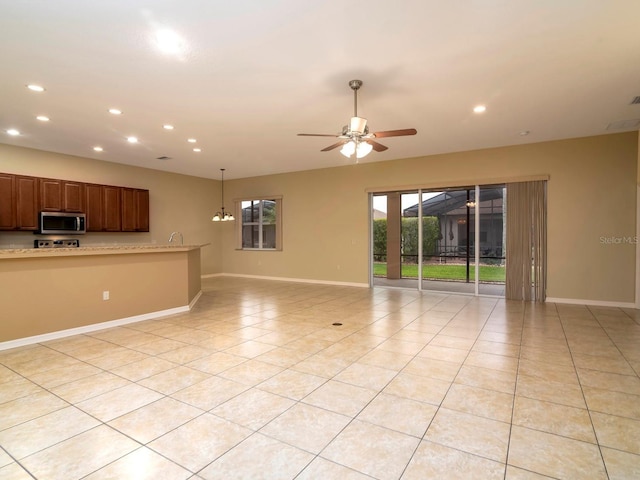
(255, 73)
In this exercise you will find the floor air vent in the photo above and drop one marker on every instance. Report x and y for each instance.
(635, 101)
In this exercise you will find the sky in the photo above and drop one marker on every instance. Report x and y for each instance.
(408, 200)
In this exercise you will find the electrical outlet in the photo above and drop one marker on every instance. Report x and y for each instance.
(105, 295)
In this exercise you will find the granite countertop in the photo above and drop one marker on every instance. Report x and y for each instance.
(10, 253)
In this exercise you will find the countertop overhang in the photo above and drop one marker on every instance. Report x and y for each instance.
(9, 254)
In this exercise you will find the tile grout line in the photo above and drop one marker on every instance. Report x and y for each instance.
(584, 397)
(439, 406)
(515, 391)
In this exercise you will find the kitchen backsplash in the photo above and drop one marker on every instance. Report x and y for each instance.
(19, 240)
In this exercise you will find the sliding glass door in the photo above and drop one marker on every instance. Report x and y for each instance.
(448, 240)
(492, 240)
(448, 220)
(395, 240)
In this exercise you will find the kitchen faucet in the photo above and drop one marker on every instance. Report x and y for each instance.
(174, 234)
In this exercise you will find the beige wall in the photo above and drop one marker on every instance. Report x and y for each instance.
(591, 195)
(638, 230)
(50, 294)
(176, 202)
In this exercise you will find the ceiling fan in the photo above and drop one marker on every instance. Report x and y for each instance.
(355, 138)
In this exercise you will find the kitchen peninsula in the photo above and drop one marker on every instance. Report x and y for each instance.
(50, 293)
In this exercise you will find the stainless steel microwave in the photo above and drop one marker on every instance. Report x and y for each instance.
(62, 223)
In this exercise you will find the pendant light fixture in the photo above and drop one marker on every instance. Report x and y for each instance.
(222, 216)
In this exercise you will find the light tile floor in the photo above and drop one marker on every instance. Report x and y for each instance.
(258, 383)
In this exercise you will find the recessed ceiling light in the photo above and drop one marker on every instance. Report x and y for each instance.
(115, 111)
(479, 109)
(197, 150)
(13, 132)
(42, 118)
(191, 140)
(170, 42)
(35, 88)
(132, 140)
(168, 127)
(98, 149)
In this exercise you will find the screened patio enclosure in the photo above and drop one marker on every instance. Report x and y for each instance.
(448, 240)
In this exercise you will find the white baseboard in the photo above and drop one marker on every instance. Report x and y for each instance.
(21, 342)
(287, 279)
(594, 303)
(569, 301)
(195, 300)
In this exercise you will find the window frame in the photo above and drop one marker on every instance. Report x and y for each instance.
(241, 223)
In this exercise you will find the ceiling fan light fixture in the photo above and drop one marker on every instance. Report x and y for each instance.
(357, 125)
(360, 148)
(355, 137)
(348, 149)
(363, 149)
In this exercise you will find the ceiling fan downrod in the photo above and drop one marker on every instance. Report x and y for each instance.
(355, 85)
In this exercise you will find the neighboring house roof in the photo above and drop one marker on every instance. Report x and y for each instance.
(454, 203)
(379, 214)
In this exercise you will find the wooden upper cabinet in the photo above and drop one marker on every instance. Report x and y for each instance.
(73, 197)
(61, 196)
(103, 208)
(94, 207)
(135, 210)
(26, 203)
(112, 208)
(107, 208)
(142, 210)
(7, 202)
(50, 195)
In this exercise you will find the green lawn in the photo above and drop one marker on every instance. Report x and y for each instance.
(488, 273)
